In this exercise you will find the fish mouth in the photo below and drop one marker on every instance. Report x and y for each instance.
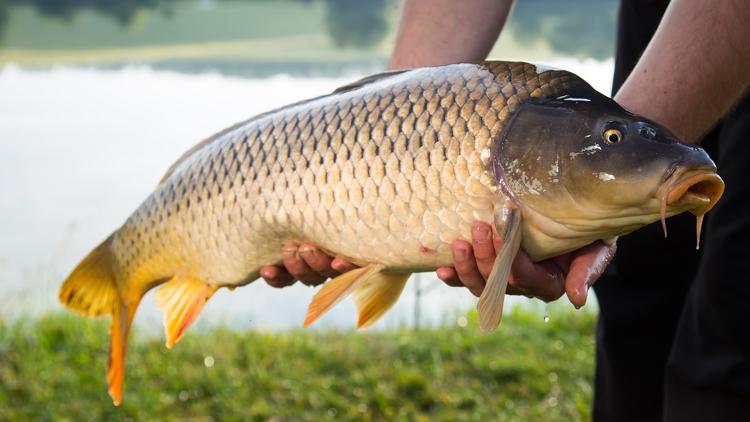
(699, 192)
(694, 191)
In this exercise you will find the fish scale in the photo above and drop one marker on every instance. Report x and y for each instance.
(387, 172)
(390, 172)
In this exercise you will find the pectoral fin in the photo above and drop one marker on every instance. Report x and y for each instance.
(336, 290)
(182, 299)
(376, 295)
(490, 306)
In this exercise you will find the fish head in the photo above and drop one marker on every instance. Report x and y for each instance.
(583, 168)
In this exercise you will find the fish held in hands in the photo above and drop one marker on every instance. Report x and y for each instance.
(387, 172)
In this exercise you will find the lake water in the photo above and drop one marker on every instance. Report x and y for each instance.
(80, 148)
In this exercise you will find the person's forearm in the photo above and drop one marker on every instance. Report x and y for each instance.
(696, 66)
(437, 32)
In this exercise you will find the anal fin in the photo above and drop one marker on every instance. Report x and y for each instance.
(336, 290)
(490, 305)
(376, 295)
(182, 299)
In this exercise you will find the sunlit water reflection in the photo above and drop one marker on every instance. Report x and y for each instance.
(81, 148)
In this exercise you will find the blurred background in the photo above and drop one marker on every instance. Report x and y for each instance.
(99, 97)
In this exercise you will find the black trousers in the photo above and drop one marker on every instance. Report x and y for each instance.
(672, 341)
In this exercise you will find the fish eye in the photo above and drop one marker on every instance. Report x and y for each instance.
(613, 133)
(612, 136)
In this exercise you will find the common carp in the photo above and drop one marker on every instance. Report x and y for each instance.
(387, 172)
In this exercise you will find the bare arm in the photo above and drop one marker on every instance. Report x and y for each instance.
(696, 66)
(438, 32)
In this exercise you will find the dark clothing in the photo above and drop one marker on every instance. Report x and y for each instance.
(708, 370)
(672, 342)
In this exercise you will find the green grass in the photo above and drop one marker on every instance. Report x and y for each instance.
(53, 369)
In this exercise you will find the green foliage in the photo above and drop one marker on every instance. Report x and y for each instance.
(350, 23)
(360, 24)
(53, 368)
(582, 28)
(122, 11)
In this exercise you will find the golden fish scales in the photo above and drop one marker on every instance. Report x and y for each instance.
(386, 172)
(391, 173)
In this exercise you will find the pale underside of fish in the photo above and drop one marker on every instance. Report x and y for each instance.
(386, 173)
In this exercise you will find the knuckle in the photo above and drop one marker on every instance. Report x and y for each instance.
(522, 284)
(551, 297)
(451, 281)
(312, 280)
(321, 265)
(291, 263)
(462, 268)
(276, 282)
(470, 280)
(296, 269)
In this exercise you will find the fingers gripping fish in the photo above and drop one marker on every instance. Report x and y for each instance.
(388, 172)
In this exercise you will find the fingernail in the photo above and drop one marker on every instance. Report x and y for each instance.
(585, 295)
(482, 233)
(265, 274)
(305, 250)
(461, 254)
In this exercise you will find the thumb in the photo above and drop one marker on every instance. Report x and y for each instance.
(586, 267)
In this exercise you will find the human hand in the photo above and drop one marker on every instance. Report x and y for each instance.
(305, 263)
(572, 273)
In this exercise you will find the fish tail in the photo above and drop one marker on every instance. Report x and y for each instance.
(122, 318)
(92, 290)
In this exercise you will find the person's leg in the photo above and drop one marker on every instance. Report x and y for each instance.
(708, 373)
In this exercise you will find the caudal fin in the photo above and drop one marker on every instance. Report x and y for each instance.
(122, 318)
(92, 290)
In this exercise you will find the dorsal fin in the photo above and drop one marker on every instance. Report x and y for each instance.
(368, 80)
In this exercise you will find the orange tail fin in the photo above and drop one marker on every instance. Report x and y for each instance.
(122, 318)
(92, 289)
